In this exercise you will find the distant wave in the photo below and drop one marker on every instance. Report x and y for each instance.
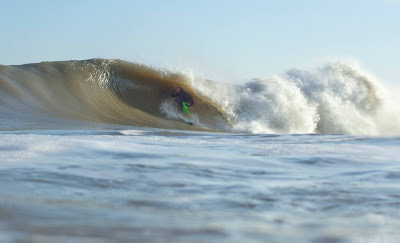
(335, 98)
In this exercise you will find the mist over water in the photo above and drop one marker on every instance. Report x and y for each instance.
(335, 98)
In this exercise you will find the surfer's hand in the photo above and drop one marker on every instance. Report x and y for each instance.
(187, 116)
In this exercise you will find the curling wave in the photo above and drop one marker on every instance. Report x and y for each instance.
(335, 98)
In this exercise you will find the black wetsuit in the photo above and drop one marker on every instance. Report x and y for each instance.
(182, 96)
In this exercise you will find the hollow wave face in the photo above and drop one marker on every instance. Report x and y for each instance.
(335, 98)
(97, 90)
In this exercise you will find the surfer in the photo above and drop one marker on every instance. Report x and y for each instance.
(183, 99)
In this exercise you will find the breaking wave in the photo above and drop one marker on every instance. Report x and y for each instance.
(334, 98)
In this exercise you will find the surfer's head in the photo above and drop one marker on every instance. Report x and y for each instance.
(178, 89)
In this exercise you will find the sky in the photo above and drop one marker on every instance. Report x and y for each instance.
(220, 39)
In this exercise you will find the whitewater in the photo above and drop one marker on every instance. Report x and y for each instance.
(97, 151)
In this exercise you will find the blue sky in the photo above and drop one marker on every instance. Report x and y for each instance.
(222, 40)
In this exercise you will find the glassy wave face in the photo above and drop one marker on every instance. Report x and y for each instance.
(335, 98)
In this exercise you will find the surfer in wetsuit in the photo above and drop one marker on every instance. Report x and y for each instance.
(183, 99)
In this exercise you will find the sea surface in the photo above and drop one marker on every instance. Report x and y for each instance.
(97, 151)
(133, 184)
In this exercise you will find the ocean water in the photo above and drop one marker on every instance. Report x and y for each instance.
(95, 151)
(155, 185)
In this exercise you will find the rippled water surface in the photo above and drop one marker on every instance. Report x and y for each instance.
(155, 185)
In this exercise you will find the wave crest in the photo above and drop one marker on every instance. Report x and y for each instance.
(335, 98)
